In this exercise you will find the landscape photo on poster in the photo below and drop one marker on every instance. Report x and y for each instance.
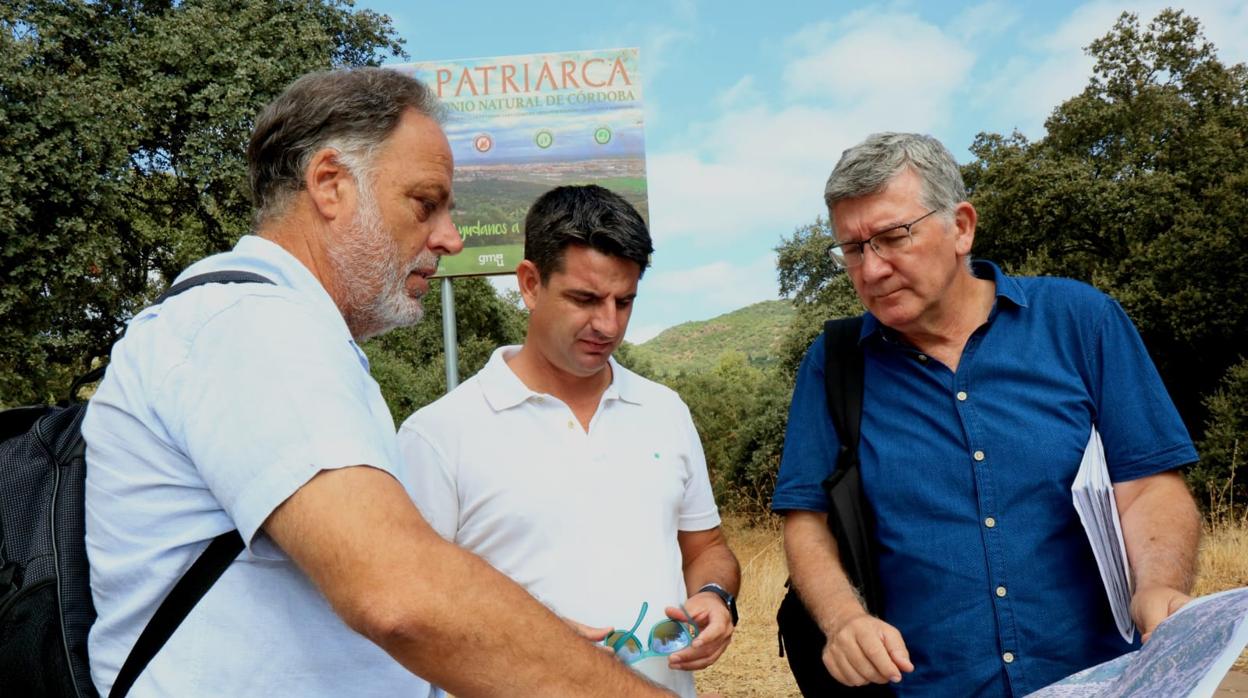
(521, 125)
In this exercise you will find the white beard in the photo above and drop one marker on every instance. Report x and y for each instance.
(371, 275)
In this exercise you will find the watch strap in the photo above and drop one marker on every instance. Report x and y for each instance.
(726, 596)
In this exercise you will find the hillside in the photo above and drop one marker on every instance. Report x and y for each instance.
(754, 330)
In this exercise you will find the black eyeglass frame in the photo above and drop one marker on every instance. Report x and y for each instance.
(862, 244)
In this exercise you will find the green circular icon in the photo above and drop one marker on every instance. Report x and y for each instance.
(544, 139)
(602, 135)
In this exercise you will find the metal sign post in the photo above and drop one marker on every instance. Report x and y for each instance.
(449, 340)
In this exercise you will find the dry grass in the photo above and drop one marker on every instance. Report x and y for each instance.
(1224, 560)
(751, 667)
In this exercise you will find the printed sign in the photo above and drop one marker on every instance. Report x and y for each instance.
(521, 125)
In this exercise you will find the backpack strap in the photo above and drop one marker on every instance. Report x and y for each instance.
(208, 567)
(177, 605)
(213, 277)
(849, 518)
(842, 379)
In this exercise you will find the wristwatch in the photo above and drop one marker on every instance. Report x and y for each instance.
(727, 597)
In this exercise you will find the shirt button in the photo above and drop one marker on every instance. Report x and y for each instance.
(990, 522)
(1001, 592)
(922, 357)
(570, 425)
(979, 455)
(1008, 657)
(962, 395)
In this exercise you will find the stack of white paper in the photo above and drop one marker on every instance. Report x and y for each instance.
(1093, 495)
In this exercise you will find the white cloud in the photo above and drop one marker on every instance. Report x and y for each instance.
(743, 94)
(1054, 67)
(757, 168)
(1224, 22)
(1026, 90)
(713, 288)
(898, 58)
(986, 19)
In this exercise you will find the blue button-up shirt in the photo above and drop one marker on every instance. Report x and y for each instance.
(986, 569)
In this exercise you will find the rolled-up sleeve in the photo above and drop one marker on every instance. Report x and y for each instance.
(270, 395)
(810, 442)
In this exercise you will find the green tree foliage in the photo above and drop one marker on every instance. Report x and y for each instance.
(409, 363)
(755, 330)
(818, 289)
(1140, 187)
(731, 404)
(122, 132)
(1221, 477)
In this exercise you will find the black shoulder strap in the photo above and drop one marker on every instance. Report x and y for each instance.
(849, 517)
(206, 569)
(842, 371)
(177, 605)
(213, 277)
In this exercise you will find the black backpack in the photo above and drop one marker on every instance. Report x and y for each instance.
(45, 593)
(848, 518)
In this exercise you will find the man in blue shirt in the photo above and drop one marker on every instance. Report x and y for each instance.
(981, 391)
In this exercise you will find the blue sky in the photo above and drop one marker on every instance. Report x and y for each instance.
(749, 104)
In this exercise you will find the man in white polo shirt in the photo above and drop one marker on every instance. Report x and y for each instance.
(581, 480)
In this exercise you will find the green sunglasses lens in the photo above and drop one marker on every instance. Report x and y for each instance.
(629, 650)
(668, 637)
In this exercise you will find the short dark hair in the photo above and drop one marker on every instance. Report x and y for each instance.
(587, 215)
(350, 110)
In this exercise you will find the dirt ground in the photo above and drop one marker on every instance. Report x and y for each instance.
(751, 668)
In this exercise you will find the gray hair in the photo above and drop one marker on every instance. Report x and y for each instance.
(351, 111)
(869, 166)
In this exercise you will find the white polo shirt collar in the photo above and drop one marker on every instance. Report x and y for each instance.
(504, 390)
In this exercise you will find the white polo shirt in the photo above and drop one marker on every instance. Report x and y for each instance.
(586, 522)
(218, 404)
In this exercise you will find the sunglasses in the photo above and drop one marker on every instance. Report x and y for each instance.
(666, 637)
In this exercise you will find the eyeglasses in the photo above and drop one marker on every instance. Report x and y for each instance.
(666, 637)
(886, 243)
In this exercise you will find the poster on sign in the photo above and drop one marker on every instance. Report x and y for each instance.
(521, 125)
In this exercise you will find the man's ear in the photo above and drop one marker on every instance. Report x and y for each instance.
(529, 279)
(964, 220)
(330, 185)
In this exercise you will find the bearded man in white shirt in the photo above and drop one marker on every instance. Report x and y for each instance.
(249, 407)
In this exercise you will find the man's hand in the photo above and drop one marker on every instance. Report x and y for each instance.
(715, 628)
(865, 649)
(1154, 604)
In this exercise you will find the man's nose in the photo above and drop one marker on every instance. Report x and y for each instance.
(445, 237)
(873, 265)
(606, 319)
